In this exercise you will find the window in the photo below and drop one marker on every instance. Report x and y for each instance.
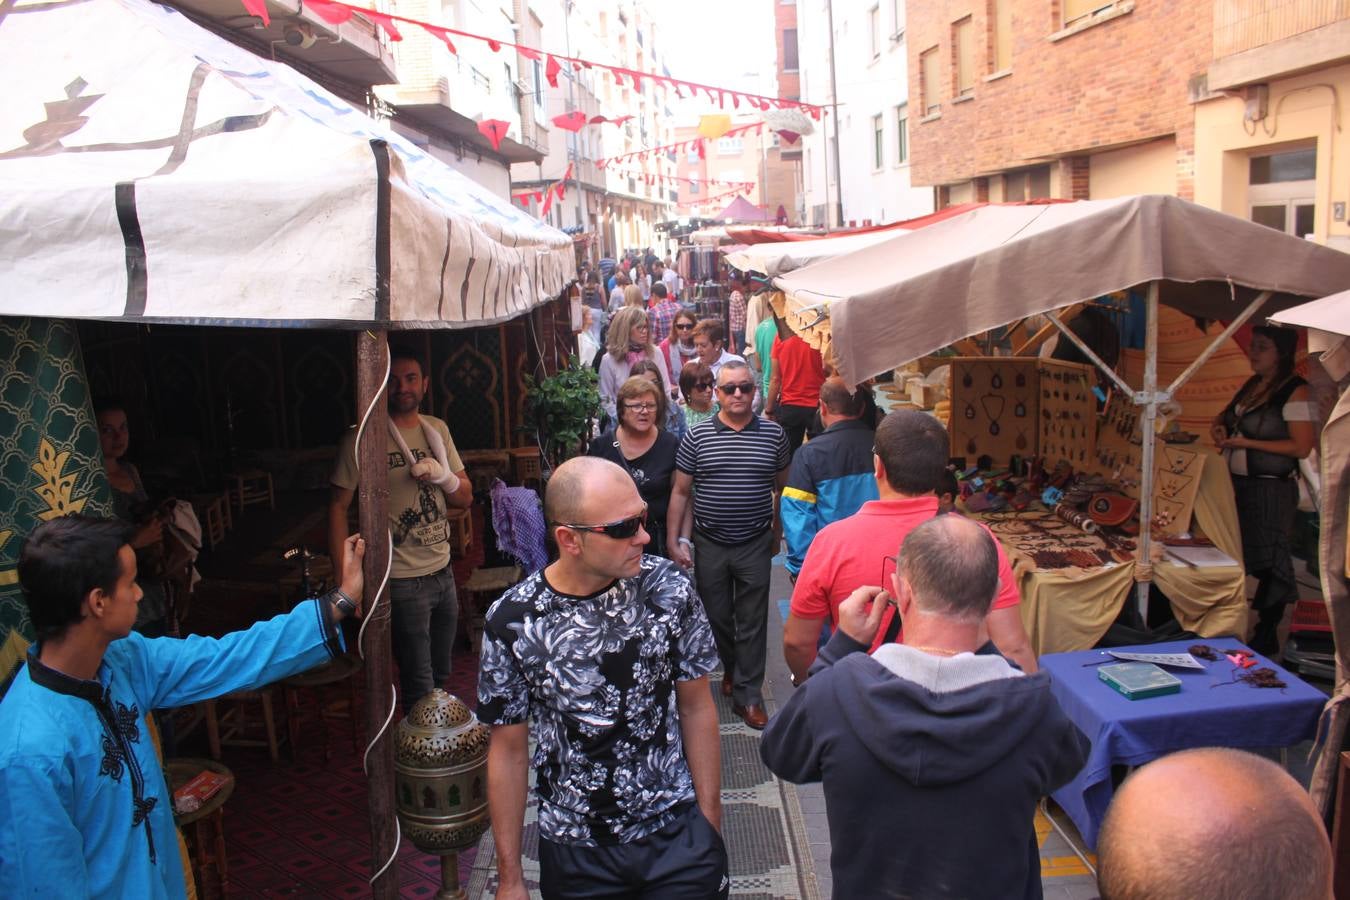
(730, 146)
(902, 134)
(1281, 188)
(1000, 35)
(693, 187)
(1081, 9)
(929, 84)
(877, 157)
(898, 18)
(874, 30)
(963, 49)
(789, 49)
(693, 155)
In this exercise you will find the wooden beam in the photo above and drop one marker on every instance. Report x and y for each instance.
(372, 357)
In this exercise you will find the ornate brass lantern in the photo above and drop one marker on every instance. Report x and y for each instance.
(440, 781)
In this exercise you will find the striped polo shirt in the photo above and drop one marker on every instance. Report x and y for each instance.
(733, 474)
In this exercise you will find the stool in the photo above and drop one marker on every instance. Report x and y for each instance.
(251, 486)
(208, 821)
(214, 514)
(235, 721)
(344, 668)
(461, 532)
(526, 466)
(484, 466)
(489, 583)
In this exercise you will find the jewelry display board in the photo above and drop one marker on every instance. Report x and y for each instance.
(994, 407)
(1177, 467)
(1068, 413)
(1050, 543)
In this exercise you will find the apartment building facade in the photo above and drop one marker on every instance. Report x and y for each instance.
(615, 208)
(1269, 138)
(868, 91)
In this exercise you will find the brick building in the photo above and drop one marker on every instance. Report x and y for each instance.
(1017, 99)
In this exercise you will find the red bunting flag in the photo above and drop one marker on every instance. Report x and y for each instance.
(258, 8)
(528, 53)
(444, 36)
(494, 45)
(736, 101)
(572, 121)
(548, 204)
(551, 70)
(492, 129)
(637, 79)
(386, 23)
(332, 13)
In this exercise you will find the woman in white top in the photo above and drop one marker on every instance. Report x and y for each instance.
(629, 341)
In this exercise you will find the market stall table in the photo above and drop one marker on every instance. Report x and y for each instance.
(1208, 712)
(1071, 608)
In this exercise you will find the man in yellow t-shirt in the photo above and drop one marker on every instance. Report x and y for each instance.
(423, 605)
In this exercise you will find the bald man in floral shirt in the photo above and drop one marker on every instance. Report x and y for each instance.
(602, 657)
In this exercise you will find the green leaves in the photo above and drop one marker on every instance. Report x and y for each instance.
(559, 409)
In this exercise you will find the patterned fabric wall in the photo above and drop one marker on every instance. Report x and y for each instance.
(50, 461)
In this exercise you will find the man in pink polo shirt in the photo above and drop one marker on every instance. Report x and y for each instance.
(909, 458)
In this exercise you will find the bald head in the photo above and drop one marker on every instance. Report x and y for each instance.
(839, 401)
(1213, 823)
(578, 486)
(951, 566)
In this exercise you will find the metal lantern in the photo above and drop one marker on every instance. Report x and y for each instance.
(440, 781)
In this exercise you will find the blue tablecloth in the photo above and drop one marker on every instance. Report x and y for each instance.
(1133, 732)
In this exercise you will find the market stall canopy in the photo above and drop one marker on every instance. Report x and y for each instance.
(1330, 314)
(152, 171)
(786, 256)
(919, 291)
(742, 210)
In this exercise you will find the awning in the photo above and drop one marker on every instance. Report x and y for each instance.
(785, 256)
(917, 292)
(152, 171)
(742, 210)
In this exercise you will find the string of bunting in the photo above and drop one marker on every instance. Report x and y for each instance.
(335, 13)
(697, 201)
(545, 197)
(699, 144)
(675, 180)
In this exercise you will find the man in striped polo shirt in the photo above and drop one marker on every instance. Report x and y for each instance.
(738, 463)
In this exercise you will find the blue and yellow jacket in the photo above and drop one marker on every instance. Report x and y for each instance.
(830, 479)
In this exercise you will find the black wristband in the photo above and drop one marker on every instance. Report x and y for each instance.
(344, 604)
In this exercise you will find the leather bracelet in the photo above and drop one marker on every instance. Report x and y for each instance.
(345, 605)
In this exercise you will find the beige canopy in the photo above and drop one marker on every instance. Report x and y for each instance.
(902, 298)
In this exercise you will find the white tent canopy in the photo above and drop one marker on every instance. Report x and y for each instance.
(920, 291)
(780, 257)
(152, 171)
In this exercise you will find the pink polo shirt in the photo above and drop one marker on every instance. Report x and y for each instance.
(850, 553)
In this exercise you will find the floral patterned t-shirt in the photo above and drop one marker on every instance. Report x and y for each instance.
(595, 676)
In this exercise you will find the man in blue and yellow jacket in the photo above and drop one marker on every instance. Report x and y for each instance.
(831, 475)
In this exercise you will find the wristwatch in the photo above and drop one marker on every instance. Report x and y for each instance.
(344, 604)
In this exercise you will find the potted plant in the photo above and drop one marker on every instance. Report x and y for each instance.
(559, 410)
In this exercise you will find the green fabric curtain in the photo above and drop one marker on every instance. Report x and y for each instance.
(50, 461)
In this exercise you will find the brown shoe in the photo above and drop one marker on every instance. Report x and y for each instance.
(726, 687)
(753, 715)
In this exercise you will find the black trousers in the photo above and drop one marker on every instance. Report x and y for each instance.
(795, 420)
(686, 860)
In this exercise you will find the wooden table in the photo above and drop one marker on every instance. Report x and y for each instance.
(208, 821)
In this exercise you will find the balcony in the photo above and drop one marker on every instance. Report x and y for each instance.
(1259, 40)
(352, 53)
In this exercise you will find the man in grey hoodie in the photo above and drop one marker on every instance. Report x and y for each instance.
(933, 758)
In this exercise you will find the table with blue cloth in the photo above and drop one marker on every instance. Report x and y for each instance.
(1133, 732)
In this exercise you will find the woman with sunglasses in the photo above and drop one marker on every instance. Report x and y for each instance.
(696, 383)
(628, 343)
(678, 347)
(644, 450)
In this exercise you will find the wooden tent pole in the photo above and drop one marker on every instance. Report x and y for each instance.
(1148, 398)
(372, 349)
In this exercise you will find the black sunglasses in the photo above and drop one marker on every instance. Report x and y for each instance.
(703, 385)
(744, 387)
(621, 530)
(683, 326)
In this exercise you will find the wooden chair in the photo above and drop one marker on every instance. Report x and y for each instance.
(252, 486)
(231, 728)
(461, 531)
(527, 467)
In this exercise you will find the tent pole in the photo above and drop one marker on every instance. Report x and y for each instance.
(1209, 351)
(1089, 353)
(1143, 564)
(372, 350)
